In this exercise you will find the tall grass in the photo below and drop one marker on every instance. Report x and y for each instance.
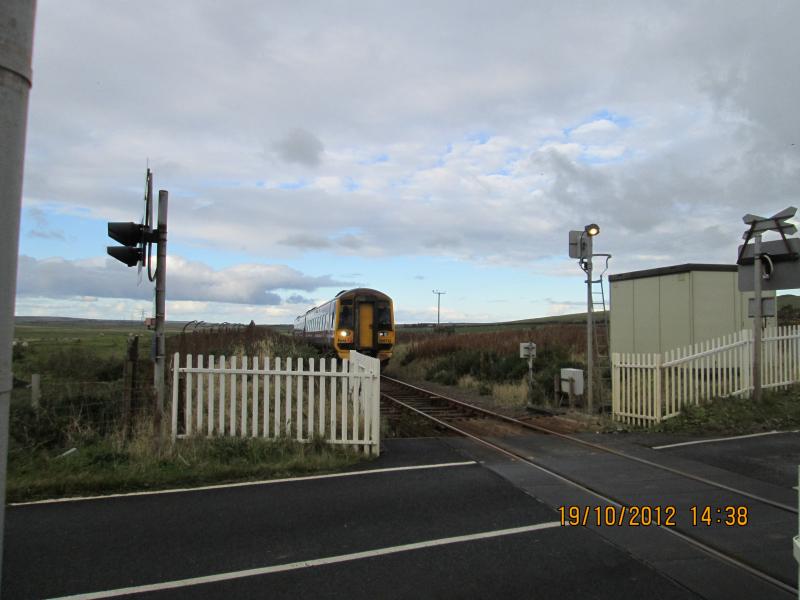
(490, 361)
(243, 341)
(567, 337)
(83, 410)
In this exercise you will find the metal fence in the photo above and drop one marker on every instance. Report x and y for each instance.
(274, 397)
(647, 388)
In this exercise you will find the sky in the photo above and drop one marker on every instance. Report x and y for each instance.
(407, 147)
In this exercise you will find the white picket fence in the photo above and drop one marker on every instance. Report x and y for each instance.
(274, 397)
(647, 388)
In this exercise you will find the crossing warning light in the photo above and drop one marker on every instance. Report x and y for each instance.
(133, 237)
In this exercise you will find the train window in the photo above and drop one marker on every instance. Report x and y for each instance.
(346, 317)
(384, 316)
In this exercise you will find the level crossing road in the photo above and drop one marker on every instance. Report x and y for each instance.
(425, 520)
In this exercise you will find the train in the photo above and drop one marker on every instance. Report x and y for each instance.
(360, 319)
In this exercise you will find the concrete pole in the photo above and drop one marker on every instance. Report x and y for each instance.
(16, 44)
(589, 328)
(161, 301)
(757, 318)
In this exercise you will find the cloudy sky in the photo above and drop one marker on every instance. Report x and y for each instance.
(316, 146)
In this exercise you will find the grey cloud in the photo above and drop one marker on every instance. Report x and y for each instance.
(710, 96)
(298, 299)
(300, 146)
(301, 240)
(353, 242)
(188, 280)
(442, 241)
(47, 234)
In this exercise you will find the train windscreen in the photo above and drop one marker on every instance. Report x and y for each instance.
(346, 317)
(384, 316)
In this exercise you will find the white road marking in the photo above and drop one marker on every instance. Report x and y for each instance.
(248, 483)
(722, 439)
(179, 583)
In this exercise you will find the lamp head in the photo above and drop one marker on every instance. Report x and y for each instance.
(592, 229)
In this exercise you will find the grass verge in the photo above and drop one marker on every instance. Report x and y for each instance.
(777, 410)
(104, 466)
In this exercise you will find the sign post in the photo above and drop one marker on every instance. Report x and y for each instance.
(757, 318)
(528, 350)
(784, 253)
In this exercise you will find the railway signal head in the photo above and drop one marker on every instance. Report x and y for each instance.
(133, 237)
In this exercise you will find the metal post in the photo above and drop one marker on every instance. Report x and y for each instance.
(16, 43)
(161, 294)
(589, 326)
(530, 379)
(757, 318)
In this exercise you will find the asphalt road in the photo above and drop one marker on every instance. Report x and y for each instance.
(91, 546)
(771, 458)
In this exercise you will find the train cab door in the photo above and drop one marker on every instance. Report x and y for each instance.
(366, 325)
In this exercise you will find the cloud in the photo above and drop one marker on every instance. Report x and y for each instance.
(447, 134)
(298, 299)
(186, 281)
(599, 129)
(300, 240)
(301, 147)
(51, 234)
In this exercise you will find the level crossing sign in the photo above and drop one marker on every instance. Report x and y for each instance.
(779, 264)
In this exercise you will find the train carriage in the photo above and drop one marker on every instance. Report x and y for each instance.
(361, 319)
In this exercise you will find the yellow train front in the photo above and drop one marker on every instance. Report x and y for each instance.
(360, 319)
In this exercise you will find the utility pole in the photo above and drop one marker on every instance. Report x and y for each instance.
(16, 44)
(438, 305)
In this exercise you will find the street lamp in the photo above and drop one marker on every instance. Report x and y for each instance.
(590, 231)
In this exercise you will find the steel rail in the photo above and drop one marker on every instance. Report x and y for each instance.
(700, 545)
(779, 505)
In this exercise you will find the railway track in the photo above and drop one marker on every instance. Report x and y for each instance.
(488, 428)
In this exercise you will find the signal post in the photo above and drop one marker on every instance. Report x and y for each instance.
(136, 251)
(767, 266)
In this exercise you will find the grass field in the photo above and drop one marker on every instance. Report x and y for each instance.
(108, 465)
(110, 443)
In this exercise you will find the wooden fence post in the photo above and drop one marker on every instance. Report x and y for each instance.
(615, 383)
(657, 385)
(129, 384)
(36, 390)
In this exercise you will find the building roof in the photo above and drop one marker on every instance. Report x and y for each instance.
(673, 270)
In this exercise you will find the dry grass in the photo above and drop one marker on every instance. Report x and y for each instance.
(510, 394)
(569, 336)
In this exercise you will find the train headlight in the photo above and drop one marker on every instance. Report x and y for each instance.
(344, 333)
